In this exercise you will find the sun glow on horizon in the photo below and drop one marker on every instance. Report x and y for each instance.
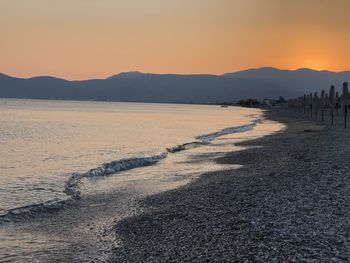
(86, 39)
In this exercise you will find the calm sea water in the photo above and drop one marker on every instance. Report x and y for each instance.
(55, 151)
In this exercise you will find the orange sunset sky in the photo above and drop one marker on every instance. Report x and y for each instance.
(81, 39)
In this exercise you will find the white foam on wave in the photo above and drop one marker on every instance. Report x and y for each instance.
(72, 186)
(183, 147)
(207, 138)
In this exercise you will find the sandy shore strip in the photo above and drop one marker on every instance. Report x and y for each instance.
(290, 202)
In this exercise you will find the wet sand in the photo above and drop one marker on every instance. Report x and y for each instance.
(289, 202)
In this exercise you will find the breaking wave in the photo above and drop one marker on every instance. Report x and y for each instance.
(207, 138)
(72, 186)
(183, 147)
(26, 212)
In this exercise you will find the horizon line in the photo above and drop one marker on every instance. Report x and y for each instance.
(180, 74)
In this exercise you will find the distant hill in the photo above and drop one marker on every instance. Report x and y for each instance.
(144, 87)
(131, 74)
(298, 81)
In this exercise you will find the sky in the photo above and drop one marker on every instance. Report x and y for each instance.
(84, 39)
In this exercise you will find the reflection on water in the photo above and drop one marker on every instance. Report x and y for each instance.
(44, 142)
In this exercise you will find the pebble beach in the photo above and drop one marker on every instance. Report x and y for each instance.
(288, 202)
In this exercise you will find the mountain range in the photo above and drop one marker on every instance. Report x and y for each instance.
(145, 87)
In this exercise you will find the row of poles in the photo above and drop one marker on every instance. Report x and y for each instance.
(312, 104)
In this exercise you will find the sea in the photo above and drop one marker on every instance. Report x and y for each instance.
(71, 170)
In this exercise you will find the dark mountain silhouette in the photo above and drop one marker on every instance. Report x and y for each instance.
(130, 74)
(141, 87)
(298, 81)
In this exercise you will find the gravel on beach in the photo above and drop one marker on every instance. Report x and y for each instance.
(289, 202)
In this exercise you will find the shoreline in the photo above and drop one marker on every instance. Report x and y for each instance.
(288, 202)
(80, 230)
